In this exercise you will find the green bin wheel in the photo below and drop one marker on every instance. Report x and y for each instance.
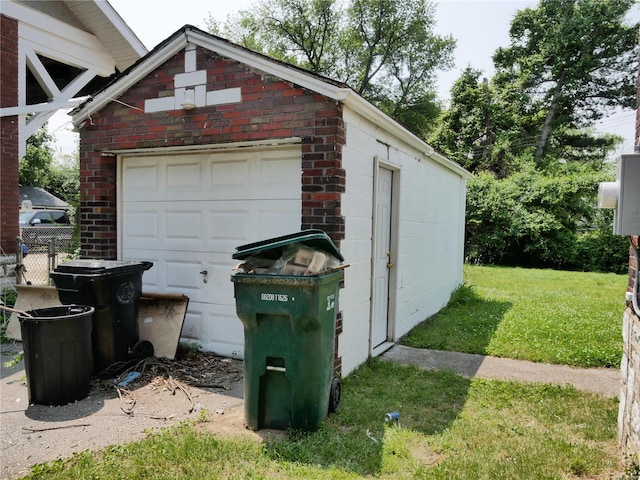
(334, 395)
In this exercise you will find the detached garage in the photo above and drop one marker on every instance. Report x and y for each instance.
(203, 145)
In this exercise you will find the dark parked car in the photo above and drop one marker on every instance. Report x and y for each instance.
(42, 225)
(43, 218)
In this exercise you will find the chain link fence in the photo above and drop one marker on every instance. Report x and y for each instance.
(42, 249)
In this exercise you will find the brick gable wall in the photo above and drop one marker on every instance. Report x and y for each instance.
(9, 191)
(270, 109)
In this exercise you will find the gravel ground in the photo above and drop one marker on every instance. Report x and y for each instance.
(196, 386)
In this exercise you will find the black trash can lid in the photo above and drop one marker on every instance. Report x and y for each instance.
(93, 267)
(273, 247)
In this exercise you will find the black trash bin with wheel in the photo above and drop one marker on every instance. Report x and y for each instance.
(113, 288)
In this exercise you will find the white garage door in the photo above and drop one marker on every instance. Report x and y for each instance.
(187, 213)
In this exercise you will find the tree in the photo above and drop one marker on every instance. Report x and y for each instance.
(575, 59)
(385, 50)
(39, 169)
(483, 129)
(528, 135)
(64, 182)
(35, 167)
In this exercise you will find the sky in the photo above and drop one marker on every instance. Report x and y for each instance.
(479, 26)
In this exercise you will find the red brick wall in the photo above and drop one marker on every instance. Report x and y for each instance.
(633, 268)
(9, 191)
(270, 109)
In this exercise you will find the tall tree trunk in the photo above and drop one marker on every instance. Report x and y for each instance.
(548, 121)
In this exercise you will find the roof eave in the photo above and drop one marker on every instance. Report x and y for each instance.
(316, 83)
(128, 79)
(114, 17)
(367, 110)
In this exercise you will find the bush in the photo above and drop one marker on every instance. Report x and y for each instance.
(542, 220)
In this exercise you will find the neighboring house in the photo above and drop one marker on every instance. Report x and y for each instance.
(629, 415)
(37, 198)
(203, 146)
(53, 54)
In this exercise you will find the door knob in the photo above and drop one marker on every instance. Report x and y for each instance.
(204, 273)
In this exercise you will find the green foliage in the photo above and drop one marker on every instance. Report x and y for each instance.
(599, 250)
(541, 219)
(632, 469)
(8, 297)
(64, 183)
(484, 129)
(386, 50)
(574, 61)
(35, 167)
(528, 135)
(38, 169)
(15, 361)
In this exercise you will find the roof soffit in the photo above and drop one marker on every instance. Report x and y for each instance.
(108, 26)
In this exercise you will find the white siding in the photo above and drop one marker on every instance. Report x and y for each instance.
(430, 229)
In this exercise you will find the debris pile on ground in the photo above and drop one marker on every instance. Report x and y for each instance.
(190, 369)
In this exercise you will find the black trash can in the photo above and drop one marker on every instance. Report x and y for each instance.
(57, 353)
(113, 288)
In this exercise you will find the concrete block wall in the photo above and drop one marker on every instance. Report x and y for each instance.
(629, 413)
(430, 202)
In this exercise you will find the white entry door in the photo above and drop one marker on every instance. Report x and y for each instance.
(187, 213)
(382, 258)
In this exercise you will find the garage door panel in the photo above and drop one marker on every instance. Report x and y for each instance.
(224, 320)
(192, 326)
(184, 275)
(221, 176)
(239, 222)
(230, 175)
(142, 178)
(207, 328)
(184, 175)
(188, 213)
(184, 225)
(221, 227)
(142, 225)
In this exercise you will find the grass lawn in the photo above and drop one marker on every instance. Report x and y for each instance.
(571, 318)
(449, 428)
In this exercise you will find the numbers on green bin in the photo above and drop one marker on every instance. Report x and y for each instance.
(331, 302)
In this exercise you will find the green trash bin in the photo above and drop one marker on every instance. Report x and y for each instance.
(289, 336)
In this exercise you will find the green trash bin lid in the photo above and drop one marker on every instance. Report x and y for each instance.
(274, 247)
